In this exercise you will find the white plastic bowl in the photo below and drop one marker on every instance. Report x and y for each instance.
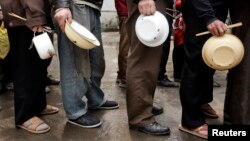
(152, 30)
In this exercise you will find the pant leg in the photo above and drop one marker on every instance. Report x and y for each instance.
(142, 72)
(90, 18)
(178, 59)
(166, 44)
(197, 77)
(29, 75)
(123, 49)
(164, 57)
(73, 85)
(237, 99)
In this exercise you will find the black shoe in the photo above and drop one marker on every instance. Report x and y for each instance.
(155, 129)
(51, 81)
(108, 105)
(86, 121)
(168, 83)
(177, 80)
(157, 110)
(216, 84)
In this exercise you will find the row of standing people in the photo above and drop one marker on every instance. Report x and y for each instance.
(178, 52)
(196, 87)
(29, 77)
(81, 72)
(194, 96)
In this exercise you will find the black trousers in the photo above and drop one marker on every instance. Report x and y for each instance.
(165, 54)
(166, 44)
(178, 60)
(197, 78)
(29, 75)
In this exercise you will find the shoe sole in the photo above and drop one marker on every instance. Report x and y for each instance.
(34, 131)
(108, 108)
(170, 86)
(91, 126)
(156, 134)
(183, 129)
(207, 115)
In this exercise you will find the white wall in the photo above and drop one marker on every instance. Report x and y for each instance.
(109, 19)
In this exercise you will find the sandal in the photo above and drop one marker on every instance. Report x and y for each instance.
(49, 110)
(201, 131)
(35, 125)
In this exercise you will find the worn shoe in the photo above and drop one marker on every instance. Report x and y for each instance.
(86, 121)
(9, 86)
(177, 80)
(157, 110)
(49, 110)
(52, 81)
(155, 129)
(168, 83)
(108, 105)
(35, 125)
(209, 112)
(201, 131)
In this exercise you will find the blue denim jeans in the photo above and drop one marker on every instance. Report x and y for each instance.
(73, 83)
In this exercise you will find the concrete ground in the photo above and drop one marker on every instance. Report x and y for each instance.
(115, 126)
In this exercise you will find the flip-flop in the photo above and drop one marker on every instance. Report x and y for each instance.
(32, 125)
(201, 131)
(49, 110)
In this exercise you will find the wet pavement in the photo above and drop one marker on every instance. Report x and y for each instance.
(115, 126)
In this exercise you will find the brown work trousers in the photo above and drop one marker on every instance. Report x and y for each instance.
(123, 49)
(142, 71)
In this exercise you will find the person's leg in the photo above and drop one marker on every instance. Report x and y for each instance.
(164, 57)
(28, 75)
(123, 52)
(90, 19)
(142, 72)
(162, 77)
(178, 59)
(50, 80)
(73, 84)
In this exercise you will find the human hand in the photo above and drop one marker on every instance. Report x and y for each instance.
(61, 15)
(217, 28)
(37, 28)
(146, 7)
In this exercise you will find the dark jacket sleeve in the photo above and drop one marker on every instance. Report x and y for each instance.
(136, 1)
(60, 3)
(204, 10)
